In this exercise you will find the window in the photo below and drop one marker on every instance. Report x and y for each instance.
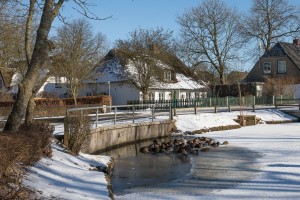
(57, 82)
(88, 94)
(281, 68)
(168, 75)
(161, 96)
(188, 95)
(197, 95)
(267, 68)
(151, 96)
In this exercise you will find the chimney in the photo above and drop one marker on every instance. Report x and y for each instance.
(296, 42)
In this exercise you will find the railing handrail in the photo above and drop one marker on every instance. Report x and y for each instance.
(104, 106)
(115, 111)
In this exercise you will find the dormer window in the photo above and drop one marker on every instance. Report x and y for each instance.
(168, 75)
(57, 82)
(267, 68)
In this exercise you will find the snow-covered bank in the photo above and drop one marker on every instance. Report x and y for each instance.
(67, 177)
(64, 176)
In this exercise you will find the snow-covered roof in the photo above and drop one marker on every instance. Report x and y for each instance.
(183, 82)
(114, 71)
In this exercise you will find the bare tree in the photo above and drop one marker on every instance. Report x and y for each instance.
(142, 51)
(270, 21)
(78, 50)
(38, 55)
(210, 34)
(11, 41)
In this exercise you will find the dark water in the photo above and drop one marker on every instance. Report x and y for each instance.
(220, 168)
(133, 169)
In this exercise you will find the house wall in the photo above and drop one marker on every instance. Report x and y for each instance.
(120, 92)
(179, 94)
(51, 88)
(297, 91)
(257, 75)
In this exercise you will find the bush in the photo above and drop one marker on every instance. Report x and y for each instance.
(77, 129)
(48, 102)
(17, 152)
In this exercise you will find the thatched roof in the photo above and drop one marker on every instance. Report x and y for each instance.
(168, 59)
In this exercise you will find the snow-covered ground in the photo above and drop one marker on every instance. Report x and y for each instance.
(68, 177)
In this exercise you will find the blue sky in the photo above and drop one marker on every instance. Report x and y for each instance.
(128, 15)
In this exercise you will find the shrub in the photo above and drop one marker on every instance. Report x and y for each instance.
(18, 151)
(48, 102)
(77, 129)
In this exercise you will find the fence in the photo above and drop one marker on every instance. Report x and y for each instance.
(116, 113)
(287, 102)
(209, 102)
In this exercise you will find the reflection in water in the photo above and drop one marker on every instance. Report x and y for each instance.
(133, 169)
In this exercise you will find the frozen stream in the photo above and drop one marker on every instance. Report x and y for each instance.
(220, 168)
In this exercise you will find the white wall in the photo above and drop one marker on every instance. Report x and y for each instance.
(120, 92)
(51, 88)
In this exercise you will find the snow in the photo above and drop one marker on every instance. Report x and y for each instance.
(64, 176)
(113, 71)
(68, 177)
(183, 82)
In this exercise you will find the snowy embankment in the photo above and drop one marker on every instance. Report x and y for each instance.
(64, 176)
(67, 177)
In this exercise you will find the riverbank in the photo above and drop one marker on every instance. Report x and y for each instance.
(67, 177)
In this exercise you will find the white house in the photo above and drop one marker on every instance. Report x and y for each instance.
(54, 87)
(118, 80)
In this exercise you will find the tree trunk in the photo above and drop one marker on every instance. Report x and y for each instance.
(30, 110)
(39, 55)
(15, 118)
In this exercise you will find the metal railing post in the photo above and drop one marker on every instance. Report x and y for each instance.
(152, 112)
(97, 117)
(226, 101)
(170, 113)
(115, 113)
(65, 130)
(133, 107)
